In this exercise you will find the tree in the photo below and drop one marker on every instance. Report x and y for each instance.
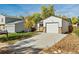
(64, 17)
(36, 17)
(47, 11)
(44, 12)
(78, 19)
(31, 21)
(69, 20)
(28, 23)
(74, 20)
(51, 10)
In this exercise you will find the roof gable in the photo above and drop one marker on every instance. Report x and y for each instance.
(57, 17)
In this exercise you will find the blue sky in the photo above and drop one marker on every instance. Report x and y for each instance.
(27, 9)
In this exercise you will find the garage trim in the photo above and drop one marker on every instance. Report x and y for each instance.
(50, 23)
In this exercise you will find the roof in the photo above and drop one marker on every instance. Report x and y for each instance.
(49, 17)
(11, 16)
(15, 22)
(53, 16)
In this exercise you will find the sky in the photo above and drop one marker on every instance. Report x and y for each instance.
(68, 10)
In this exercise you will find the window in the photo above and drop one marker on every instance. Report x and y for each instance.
(41, 25)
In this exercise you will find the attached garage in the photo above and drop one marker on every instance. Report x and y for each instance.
(53, 24)
(52, 27)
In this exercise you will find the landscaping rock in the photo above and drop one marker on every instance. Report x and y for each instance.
(59, 51)
(42, 52)
(69, 52)
(55, 52)
(3, 45)
(5, 50)
(77, 50)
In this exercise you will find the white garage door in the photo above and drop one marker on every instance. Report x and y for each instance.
(52, 28)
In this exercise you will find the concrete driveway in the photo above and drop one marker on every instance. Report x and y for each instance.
(43, 40)
(35, 44)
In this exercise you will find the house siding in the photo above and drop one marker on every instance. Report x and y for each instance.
(2, 19)
(60, 30)
(19, 27)
(11, 24)
(53, 19)
(62, 24)
(10, 28)
(65, 26)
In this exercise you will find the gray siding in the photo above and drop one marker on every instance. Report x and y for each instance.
(65, 26)
(19, 27)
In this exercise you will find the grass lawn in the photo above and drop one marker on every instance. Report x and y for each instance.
(13, 37)
(76, 31)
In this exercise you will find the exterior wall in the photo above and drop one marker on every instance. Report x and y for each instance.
(5, 20)
(38, 27)
(19, 27)
(53, 19)
(10, 28)
(7, 24)
(15, 27)
(10, 20)
(41, 29)
(65, 26)
(2, 19)
(60, 30)
(2, 27)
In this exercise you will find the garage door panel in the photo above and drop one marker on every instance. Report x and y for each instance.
(52, 28)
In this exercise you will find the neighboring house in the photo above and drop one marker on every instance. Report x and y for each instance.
(53, 24)
(11, 24)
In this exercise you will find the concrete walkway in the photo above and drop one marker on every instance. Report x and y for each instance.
(43, 40)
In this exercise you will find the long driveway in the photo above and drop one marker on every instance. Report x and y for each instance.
(43, 40)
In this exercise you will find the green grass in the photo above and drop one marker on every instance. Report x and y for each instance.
(13, 37)
(76, 31)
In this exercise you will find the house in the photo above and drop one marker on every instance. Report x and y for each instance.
(11, 24)
(53, 24)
